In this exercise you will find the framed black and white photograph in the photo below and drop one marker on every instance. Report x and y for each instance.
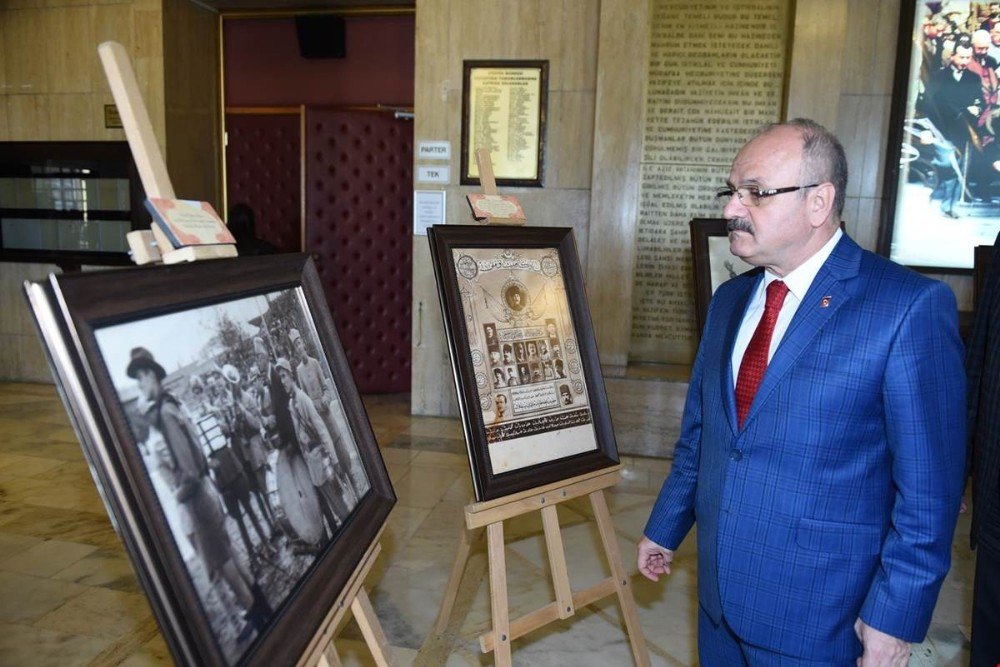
(942, 178)
(528, 377)
(712, 261)
(223, 428)
(504, 107)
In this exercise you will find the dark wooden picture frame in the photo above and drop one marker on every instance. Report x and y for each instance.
(78, 314)
(505, 69)
(710, 258)
(536, 305)
(939, 183)
(981, 267)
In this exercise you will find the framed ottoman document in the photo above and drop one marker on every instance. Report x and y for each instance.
(529, 382)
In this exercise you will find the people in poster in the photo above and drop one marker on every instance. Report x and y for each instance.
(491, 334)
(565, 394)
(500, 408)
(950, 154)
(246, 436)
(946, 199)
(186, 471)
(313, 381)
(528, 419)
(317, 450)
(229, 468)
(232, 472)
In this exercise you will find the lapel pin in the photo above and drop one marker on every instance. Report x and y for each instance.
(824, 302)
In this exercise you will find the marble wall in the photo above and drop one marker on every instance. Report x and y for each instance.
(53, 88)
(841, 57)
(564, 32)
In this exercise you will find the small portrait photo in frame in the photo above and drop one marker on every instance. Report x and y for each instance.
(217, 411)
(713, 263)
(504, 106)
(539, 415)
(942, 175)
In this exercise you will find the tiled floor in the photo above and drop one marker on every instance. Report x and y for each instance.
(68, 595)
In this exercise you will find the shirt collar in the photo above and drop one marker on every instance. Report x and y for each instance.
(800, 279)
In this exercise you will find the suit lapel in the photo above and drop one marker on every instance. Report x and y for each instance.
(737, 313)
(828, 292)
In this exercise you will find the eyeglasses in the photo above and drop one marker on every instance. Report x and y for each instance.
(751, 195)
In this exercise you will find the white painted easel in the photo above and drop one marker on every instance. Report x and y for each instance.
(491, 515)
(147, 246)
(153, 172)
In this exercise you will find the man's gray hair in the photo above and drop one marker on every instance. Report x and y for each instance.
(823, 158)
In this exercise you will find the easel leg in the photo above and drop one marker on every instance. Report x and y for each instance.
(498, 594)
(375, 637)
(329, 657)
(557, 561)
(465, 540)
(625, 599)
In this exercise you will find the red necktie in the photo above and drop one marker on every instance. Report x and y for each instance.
(755, 358)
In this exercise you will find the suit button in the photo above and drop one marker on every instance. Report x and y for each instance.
(736, 455)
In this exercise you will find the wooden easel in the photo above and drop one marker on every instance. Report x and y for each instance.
(152, 246)
(156, 182)
(491, 515)
(353, 598)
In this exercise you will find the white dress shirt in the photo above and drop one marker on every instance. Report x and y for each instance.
(798, 282)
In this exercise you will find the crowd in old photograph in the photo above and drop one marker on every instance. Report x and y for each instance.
(951, 144)
(255, 462)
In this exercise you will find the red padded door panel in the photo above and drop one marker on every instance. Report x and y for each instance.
(262, 170)
(359, 180)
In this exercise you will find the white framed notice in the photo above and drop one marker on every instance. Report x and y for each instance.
(428, 209)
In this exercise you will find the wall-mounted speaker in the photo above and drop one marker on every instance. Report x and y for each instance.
(321, 36)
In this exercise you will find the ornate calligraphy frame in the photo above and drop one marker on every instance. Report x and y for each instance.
(528, 170)
(452, 250)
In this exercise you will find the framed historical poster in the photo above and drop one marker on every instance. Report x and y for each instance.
(522, 349)
(942, 177)
(713, 263)
(226, 436)
(503, 110)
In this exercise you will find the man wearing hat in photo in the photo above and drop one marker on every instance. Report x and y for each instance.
(277, 419)
(314, 382)
(185, 470)
(229, 469)
(317, 450)
(246, 436)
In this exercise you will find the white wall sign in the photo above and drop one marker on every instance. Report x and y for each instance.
(433, 150)
(428, 209)
(427, 174)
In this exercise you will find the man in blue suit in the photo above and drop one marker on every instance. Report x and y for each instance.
(822, 446)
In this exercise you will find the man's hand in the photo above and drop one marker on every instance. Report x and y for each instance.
(654, 560)
(880, 649)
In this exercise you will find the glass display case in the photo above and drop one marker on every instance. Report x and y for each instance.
(68, 203)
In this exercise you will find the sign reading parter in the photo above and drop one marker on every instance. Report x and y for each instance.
(434, 150)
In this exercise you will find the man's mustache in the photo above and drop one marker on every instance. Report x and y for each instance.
(739, 225)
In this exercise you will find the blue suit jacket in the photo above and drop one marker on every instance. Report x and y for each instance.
(838, 498)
